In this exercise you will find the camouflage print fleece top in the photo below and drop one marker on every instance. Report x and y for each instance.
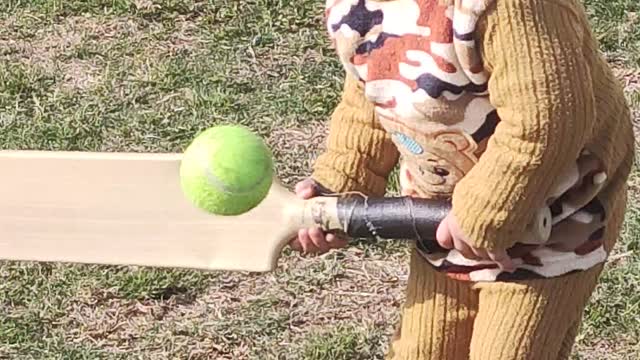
(504, 107)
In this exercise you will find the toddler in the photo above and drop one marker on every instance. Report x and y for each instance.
(502, 107)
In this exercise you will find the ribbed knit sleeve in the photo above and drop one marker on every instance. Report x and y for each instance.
(359, 154)
(541, 88)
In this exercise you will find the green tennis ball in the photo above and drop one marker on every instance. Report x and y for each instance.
(226, 170)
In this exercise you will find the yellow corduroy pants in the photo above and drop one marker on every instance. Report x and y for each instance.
(447, 319)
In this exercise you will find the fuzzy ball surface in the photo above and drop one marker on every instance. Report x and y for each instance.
(226, 170)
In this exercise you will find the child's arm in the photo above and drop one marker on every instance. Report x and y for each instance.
(359, 154)
(541, 86)
(359, 157)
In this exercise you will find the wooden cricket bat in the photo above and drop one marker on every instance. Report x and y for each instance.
(129, 209)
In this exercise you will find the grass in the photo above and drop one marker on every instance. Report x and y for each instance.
(115, 75)
(616, 25)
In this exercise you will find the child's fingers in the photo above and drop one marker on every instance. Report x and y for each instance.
(464, 249)
(335, 241)
(481, 253)
(318, 239)
(302, 185)
(305, 193)
(305, 241)
(305, 189)
(295, 245)
(443, 236)
(502, 259)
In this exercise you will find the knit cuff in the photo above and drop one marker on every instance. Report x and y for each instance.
(486, 227)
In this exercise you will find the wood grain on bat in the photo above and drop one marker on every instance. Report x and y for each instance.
(125, 208)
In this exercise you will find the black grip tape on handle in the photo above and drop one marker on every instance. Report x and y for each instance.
(393, 218)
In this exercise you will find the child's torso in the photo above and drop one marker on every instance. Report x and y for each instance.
(419, 65)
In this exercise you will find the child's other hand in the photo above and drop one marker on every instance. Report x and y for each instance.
(450, 236)
(314, 240)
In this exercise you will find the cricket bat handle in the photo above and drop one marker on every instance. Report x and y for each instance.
(391, 218)
(396, 218)
(386, 217)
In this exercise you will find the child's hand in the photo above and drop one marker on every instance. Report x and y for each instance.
(450, 236)
(314, 240)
